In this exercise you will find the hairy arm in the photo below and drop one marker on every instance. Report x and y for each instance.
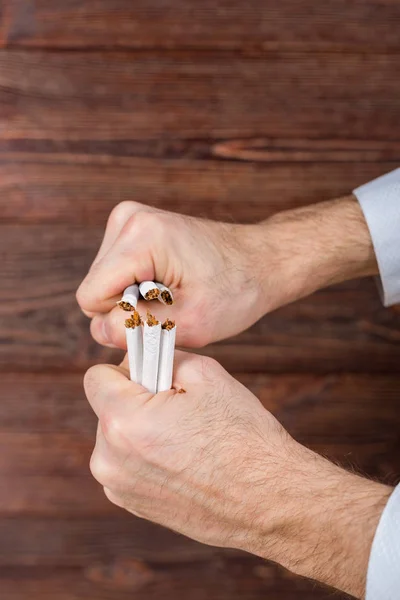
(214, 465)
(311, 248)
(325, 522)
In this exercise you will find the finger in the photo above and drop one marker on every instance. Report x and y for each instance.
(128, 261)
(116, 221)
(109, 329)
(190, 370)
(103, 462)
(108, 383)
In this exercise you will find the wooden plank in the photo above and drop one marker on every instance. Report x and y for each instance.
(48, 430)
(342, 328)
(139, 96)
(224, 578)
(83, 188)
(68, 542)
(55, 495)
(61, 454)
(333, 25)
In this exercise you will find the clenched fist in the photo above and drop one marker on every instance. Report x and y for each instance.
(213, 464)
(191, 461)
(211, 267)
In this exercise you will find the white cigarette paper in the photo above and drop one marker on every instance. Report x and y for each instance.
(149, 290)
(165, 296)
(151, 353)
(134, 342)
(167, 352)
(130, 298)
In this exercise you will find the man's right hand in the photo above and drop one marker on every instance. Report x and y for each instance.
(224, 277)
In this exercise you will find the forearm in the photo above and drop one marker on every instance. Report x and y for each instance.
(314, 247)
(324, 522)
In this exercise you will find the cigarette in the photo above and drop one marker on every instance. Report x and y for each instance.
(134, 342)
(149, 290)
(165, 296)
(151, 353)
(130, 298)
(167, 351)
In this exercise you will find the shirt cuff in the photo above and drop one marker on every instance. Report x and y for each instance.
(383, 578)
(380, 203)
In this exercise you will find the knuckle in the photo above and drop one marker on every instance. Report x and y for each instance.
(99, 468)
(132, 225)
(86, 296)
(81, 295)
(112, 497)
(209, 366)
(113, 429)
(91, 380)
(121, 213)
(146, 221)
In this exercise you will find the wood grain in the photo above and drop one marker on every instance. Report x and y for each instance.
(120, 96)
(74, 542)
(82, 189)
(226, 110)
(333, 24)
(48, 429)
(224, 577)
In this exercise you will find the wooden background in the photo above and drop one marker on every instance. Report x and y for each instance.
(221, 108)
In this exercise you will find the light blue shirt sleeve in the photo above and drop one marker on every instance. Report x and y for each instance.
(380, 203)
(383, 578)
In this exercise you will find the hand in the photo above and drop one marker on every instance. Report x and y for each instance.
(211, 267)
(224, 276)
(213, 464)
(190, 460)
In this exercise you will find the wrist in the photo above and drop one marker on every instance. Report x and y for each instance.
(310, 248)
(323, 522)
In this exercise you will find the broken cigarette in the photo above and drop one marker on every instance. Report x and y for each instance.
(167, 351)
(165, 296)
(149, 290)
(151, 353)
(134, 342)
(130, 298)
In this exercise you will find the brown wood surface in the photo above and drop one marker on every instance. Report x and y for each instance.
(188, 95)
(81, 189)
(219, 577)
(225, 110)
(333, 24)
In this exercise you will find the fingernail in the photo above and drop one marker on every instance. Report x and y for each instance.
(105, 334)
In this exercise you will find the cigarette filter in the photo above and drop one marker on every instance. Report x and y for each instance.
(130, 298)
(149, 290)
(165, 296)
(151, 353)
(134, 341)
(167, 351)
